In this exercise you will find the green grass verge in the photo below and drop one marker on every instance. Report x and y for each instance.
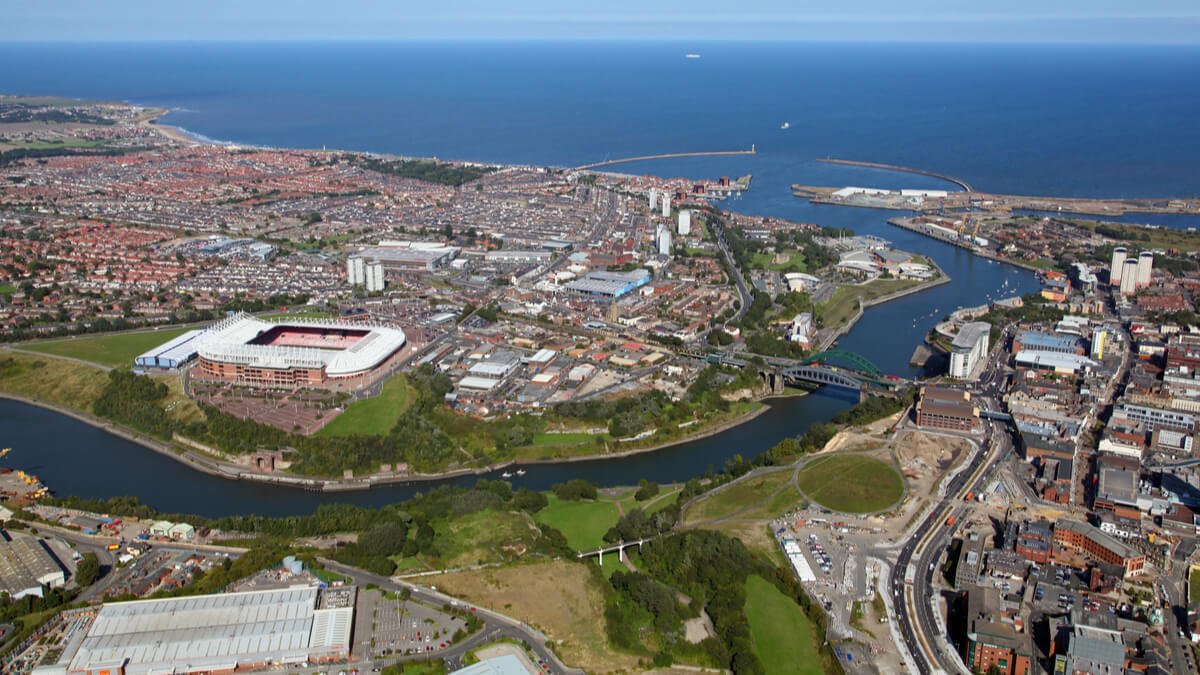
(851, 483)
(376, 415)
(115, 351)
(64, 382)
(784, 638)
(734, 498)
(1194, 585)
(582, 523)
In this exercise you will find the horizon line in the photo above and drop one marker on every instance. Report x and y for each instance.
(545, 40)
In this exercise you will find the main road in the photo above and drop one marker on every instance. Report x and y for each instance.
(921, 632)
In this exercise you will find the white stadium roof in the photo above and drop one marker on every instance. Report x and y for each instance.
(228, 340)
(211, 632)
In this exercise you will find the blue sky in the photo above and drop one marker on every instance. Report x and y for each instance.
(1102, 21)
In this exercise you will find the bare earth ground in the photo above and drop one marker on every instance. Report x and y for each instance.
(864, 439)
(924, 458)
(559, 598)
(507, 648)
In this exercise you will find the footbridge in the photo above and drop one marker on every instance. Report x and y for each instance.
(618, 548)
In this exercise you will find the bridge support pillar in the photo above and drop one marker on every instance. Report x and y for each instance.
(621, 554)
(600, 557)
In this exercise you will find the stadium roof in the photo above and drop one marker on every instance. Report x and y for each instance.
(228, 341)
(211, 632)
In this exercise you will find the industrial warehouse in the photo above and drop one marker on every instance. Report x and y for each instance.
(27, 567)
(294, 353)
(215, 633)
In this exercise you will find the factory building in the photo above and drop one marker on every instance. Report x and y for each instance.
(969, 348)
(27, 567)
(611, 284)
(222, 633)
(171, 354)
(1117, 266)
(1129, 277)
(410, 255)
(685, 223)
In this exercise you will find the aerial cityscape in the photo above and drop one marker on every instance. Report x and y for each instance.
(386, 341)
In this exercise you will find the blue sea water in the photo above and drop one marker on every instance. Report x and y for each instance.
(1063, 120)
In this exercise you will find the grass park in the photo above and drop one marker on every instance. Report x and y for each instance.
(114, 351)
(583, 523)
(1194, 585)
(842, 305)
(744, 494)
(851, 483)
(375, 415)
(784, 637)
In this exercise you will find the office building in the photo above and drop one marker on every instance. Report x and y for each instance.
(1096, 545)
(666, 205)
(949, 409)
(993, 639)
(970, 347)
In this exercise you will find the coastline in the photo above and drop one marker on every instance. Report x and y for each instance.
(204, 464)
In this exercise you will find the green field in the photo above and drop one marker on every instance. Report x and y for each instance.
(563, 439)
(7, 289)
(784, 637)
(117, 350)
(1194, 585)
(376, 415)
(582, 523)
(743, 494)
(851, 483)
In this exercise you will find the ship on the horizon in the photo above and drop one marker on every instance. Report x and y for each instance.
(785, 125)
(691, 56)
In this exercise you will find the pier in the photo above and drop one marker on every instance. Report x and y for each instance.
(892, 167)
(673, 155)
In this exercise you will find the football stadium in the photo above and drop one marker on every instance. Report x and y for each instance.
(307, 353)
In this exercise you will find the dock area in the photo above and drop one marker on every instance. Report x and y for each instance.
(937, 201)
(903, 169)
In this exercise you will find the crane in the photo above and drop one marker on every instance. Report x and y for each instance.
(4, 452)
